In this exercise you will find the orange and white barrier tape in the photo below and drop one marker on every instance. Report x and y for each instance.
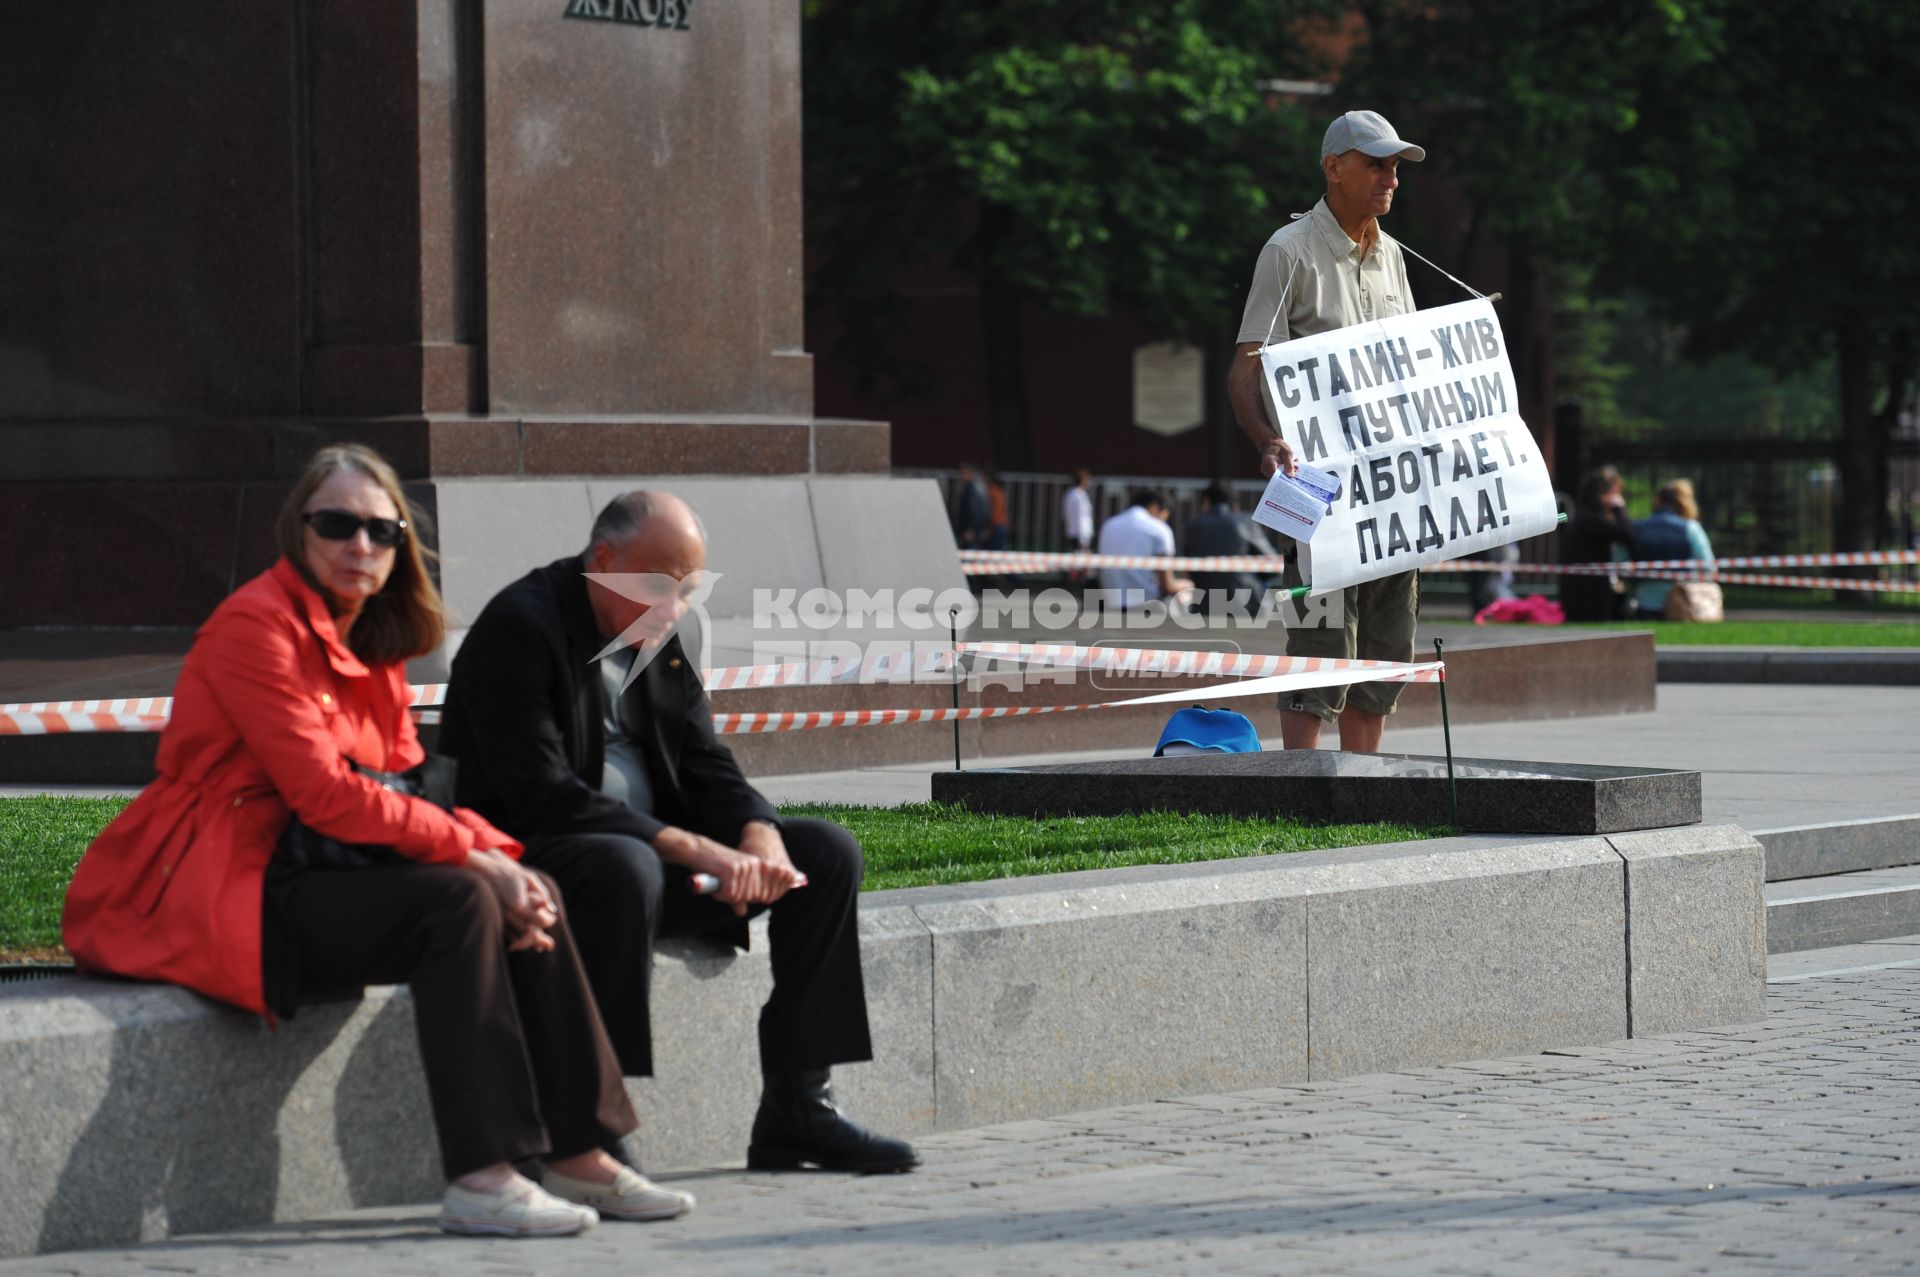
(1836, 559)
(1009, 562)
(743, 724)
(1868, 585)
(1643, 567)
(1170, 662)
(1265, 672)
(18, 722)
(1698, 572)
(883, 666)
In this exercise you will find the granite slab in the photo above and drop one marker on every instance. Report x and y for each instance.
(1696, 927)
(1837, 847)
(134, 1112)
(1495, 795)
(1464, 955)
(1048, 1002)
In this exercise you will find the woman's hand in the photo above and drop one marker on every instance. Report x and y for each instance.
(524, 899)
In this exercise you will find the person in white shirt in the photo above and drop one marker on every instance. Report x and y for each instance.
(1141, 529)
(1076, 511)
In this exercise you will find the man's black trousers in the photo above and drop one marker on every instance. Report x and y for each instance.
(620, 898)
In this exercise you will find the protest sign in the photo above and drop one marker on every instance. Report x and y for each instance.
(1417, 416)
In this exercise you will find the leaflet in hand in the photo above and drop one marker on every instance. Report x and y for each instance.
(1294, 504)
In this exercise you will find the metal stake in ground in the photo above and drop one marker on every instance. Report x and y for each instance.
(1446, 735)
(953, 634)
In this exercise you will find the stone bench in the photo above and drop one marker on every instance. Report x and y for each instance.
(133, 1112)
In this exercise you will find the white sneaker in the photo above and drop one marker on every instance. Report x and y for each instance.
(631, 1195)
(521, 1209)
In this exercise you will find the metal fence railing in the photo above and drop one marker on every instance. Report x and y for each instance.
(1757, 496)
(1033, 504)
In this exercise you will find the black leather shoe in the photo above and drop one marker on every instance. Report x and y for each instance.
(799, 1124)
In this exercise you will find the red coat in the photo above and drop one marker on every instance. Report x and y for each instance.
(269, 708)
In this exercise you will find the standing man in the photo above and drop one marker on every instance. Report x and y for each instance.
(1076, 518)
(612, 777)
(1076, 511)
(1331, 268)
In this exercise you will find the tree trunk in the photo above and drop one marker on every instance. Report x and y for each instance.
(1224, 439)
(1855, 521)
(1003, 354)
(1856, 508)
(1528, 326)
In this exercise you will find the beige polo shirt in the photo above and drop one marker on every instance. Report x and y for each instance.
(1312, 270)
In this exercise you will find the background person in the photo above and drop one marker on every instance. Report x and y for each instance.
(1599, 532)
(1672, 531)
(999, 524)
(1332, 268)
(1076, 512)
(1076, 521)
(968, 510)
(296, 678)
(1141, 529)
(1220, 530)
(581, 725)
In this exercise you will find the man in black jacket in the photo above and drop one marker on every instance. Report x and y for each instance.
(582, 728)
(1220, 530)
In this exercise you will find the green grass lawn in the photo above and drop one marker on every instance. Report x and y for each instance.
(1736, 633)
(41, 840)
(926, 843)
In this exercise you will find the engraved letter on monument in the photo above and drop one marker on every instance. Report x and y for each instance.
(667, 14)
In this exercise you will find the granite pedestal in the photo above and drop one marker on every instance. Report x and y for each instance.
(1495, 795)
(131, 1112)
(521, 255)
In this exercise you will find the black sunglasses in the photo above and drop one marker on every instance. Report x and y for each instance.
(338, 525)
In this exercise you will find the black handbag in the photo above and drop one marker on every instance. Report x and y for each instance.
(304, 847)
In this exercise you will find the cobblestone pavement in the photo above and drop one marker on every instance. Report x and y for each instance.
(1788, 1147)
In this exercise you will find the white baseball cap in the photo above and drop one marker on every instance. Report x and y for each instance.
(1367, 132)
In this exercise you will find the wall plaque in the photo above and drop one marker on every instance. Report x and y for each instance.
(1169, 388)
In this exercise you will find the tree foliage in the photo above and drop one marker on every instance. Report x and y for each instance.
(1523, 98)
(1734, 162)
(1734, 166)
(1094, 156)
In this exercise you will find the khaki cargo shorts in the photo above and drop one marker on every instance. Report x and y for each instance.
(1374, 621)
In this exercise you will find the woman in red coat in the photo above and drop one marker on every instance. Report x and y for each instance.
(296, 679)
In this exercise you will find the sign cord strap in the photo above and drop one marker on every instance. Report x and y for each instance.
(1463, 283)
(1286, 287)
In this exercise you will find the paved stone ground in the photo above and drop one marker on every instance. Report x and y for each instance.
(1768, 756)
(1792, 1146)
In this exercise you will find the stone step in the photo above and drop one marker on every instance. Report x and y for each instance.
(1874, 666)
(1843, 909)
(1892, 954)
(1840, 847)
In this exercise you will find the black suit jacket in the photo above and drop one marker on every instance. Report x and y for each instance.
(524, 716)
(1229, 533)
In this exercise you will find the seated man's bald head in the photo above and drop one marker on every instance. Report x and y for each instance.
(649, 553)
(628, 516)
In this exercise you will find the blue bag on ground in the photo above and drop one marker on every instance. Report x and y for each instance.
(1196, 730)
